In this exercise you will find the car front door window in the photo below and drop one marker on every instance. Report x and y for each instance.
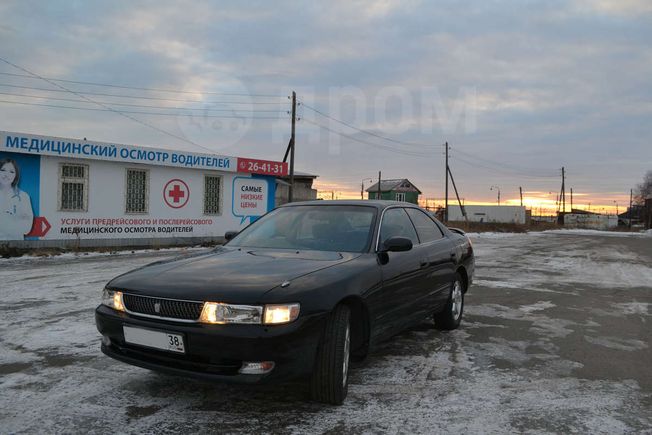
(396, 223)
(427, 229)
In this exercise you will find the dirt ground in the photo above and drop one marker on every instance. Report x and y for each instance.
(556, 338)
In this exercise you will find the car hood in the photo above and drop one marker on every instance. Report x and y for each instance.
(235, 275)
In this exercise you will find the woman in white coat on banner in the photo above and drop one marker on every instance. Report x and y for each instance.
(16, 215)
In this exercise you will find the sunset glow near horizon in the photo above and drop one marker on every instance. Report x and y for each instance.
(541, 203)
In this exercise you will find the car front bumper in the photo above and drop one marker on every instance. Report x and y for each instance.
(217, 352)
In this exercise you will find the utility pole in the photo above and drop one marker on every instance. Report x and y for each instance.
(631, 195)
(379, 180)
(571, 199)
(498, 189)
(446, 194)
(520, 191)
(362, 186)
(293, 142)
(563, 189)
(462, 209)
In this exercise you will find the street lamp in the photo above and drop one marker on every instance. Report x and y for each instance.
(362, 186)
(616, 202)
(498, 189)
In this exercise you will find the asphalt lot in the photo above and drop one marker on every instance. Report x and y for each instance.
(556, 338)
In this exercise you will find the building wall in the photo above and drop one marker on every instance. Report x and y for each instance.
(105, 223)
(303, 191)
(591, 221)
(489, 213)
(411, 197)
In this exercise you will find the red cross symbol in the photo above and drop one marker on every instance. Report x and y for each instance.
(176, 193)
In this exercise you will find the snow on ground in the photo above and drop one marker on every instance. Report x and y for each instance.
(539, 306)
(575, 259)
(587, 232)
(555, 340)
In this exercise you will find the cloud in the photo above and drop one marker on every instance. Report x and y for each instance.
(554, 83)
(625, 8)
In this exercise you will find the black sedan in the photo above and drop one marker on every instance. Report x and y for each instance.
(295, 295)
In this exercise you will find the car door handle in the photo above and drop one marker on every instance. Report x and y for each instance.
(424, 264)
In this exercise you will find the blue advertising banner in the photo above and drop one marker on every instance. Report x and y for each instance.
(19, 195)
(83, 149)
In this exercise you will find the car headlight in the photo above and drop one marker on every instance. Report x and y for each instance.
(218, 313)
(278, 314)
(113, 299)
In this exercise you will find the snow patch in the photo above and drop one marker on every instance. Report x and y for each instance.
(639, 308)
(587, 232)
(539, 306)
(617, 343)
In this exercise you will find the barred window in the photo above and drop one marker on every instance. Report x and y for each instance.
(137, 191)
(73, 187)
(212, 186)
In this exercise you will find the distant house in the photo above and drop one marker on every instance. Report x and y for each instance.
(303, 190)
(635, 213)
(395, 190)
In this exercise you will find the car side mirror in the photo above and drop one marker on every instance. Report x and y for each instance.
(230, 234)
(397, 244)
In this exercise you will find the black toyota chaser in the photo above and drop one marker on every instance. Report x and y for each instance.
(295, 295)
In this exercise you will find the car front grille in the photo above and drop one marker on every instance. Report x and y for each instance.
(169, 308)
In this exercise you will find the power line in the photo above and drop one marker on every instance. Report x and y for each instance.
(416, 144)
(146, 124)
(135, 112)
(507, 170)
(367, 131)
(136, 97)
(505, 165)
(176, 91)
(353, 138)
(500, 171)
(145, 105)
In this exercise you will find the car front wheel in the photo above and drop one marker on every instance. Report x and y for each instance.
(330, 378)
(451, 315)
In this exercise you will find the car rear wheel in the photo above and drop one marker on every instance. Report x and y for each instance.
(451, 315)
(330, 377)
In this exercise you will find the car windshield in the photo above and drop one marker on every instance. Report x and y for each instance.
(339, 228)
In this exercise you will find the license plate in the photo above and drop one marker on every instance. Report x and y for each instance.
(154, 339)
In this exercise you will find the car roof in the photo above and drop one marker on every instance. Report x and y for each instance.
(379, 204)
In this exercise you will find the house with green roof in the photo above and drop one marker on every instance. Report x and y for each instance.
(395, 190)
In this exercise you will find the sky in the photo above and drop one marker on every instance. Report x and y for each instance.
(518, 89)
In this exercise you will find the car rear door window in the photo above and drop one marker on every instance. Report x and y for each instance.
(427, 229)
(396, 223)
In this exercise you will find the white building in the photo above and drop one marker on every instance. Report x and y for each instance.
(70, 192)
(489, 213)
(582, 219)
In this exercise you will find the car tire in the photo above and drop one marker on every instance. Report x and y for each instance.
(451, 316)
(330, 381)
